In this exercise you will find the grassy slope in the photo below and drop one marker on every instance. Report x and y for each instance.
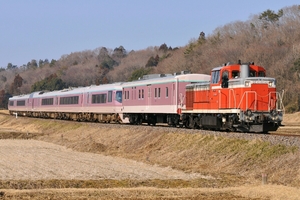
(232, 160)
(237, 163)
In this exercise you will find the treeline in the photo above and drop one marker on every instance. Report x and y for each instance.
(270, 39)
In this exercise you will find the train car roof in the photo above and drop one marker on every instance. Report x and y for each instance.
(19, 97)
(70, 91)
(165, 79)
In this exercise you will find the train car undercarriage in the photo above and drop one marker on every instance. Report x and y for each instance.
(83, 117)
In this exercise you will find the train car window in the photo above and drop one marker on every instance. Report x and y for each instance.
(225, 79)
(109, 99)
(11, 103)
(99, 98)
(261, 74)
(21, 103)
(119, 96)
(142, 93)
(167, 92)
(158, 92)
(235, 74)
(155, 93)
(68, 100)
(125, 94)
(215, 76)
(48, 101)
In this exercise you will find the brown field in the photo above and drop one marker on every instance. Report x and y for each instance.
(50, 159)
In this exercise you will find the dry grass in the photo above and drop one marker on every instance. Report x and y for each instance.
(232, 163)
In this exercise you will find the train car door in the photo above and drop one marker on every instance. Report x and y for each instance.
(148, 103)
(176, 95)
(215, 90)
(30, 102)
(224, 91)
(81, 102)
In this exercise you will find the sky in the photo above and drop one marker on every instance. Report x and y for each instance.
(48, 29)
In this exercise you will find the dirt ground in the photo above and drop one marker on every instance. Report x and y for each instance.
(43, 159)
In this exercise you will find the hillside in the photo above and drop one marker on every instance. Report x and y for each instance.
(269, 39)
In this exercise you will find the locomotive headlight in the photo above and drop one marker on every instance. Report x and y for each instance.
(247, 83)
(223, 119)
(270, 83)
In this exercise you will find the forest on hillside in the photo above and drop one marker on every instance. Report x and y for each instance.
(270, 39)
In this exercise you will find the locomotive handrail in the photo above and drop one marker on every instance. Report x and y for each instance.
(246, 94)
(279, 106)
(233, 98)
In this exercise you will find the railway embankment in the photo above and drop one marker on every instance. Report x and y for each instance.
(234, 158)
(229, 159)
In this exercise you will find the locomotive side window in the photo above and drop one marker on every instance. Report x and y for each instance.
(11, 103)
(215, 76)
(235, 74)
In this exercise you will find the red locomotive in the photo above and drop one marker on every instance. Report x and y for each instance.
(239, 97)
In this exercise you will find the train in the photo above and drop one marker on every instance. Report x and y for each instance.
(236, 97)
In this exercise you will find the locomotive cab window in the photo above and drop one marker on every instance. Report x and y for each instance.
(252, 73)
(215, 76)
(235, 74)
(261, 74)
(225, 79)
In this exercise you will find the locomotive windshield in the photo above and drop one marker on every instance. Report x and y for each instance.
(261, 74)
(215, 76)
(119, 96)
